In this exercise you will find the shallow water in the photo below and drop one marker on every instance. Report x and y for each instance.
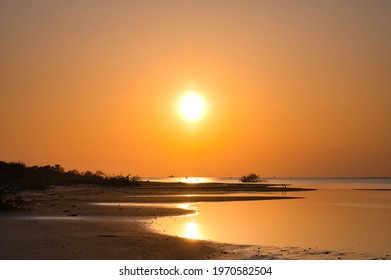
(369, 181)
(337, 216)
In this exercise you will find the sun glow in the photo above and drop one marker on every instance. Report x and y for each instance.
(192, 107)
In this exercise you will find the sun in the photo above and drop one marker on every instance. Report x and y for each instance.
(191, 106)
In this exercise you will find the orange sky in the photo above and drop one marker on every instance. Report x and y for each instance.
(293, 88)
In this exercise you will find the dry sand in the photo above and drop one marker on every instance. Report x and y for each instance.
(65, 223)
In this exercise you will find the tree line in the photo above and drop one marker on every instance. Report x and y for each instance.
(17, 174)
(16, 177)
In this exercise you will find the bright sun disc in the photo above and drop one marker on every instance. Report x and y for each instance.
(192, 106)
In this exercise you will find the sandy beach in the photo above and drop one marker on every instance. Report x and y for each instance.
(73, 222)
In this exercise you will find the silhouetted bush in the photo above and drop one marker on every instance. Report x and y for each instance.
(11, 198)
(251, 178)
(121, 180)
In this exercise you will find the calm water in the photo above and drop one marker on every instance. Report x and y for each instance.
(370, 182)
(340, 215)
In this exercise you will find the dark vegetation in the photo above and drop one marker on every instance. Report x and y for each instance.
(16, 177)
(11, 198)
(251, 178)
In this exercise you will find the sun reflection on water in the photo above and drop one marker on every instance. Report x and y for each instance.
(194, 180)
(191, 231)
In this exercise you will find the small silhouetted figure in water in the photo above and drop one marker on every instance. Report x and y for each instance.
(283, 191)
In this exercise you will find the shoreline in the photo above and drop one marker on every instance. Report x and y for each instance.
(65, 224)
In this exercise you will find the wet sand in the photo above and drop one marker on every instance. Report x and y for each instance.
(67, 223)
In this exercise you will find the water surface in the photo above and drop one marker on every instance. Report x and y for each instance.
(340, 216)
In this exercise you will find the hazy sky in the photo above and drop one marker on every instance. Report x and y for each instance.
(292, 88)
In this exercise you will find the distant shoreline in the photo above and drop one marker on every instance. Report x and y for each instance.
(269, 181)
(271, 178)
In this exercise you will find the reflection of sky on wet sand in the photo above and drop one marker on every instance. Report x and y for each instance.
(331, 219)
(186, 206)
